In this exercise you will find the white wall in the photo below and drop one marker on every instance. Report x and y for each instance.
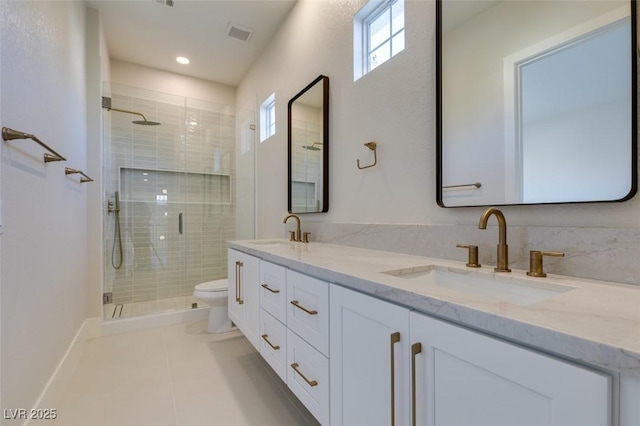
(317, 39)
(44, 245)
(395, 106)
(170, 83)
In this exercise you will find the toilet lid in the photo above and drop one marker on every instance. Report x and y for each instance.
(217, 285)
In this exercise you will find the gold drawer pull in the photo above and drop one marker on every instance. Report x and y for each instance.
(265, 337)
(416, 348)
(395, 338)
(299, 306)
(239, 265)
(309, 382)
(266, 287)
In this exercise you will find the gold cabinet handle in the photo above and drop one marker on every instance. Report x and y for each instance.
(311, 383)
(239, 265)
(395, 338)
(266, 287)
(265, 337)
(299, 306)
(416, 348)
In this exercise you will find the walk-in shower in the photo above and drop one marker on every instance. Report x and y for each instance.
(171, 198)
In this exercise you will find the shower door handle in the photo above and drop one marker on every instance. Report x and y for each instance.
(180, 223)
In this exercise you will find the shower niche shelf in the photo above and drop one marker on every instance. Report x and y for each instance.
(171, 186)
(305, 195)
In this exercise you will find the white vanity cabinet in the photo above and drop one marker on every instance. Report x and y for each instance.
(357, 359)
(369, 358)
(243, 299)
(294, 333)
(273, 316)
(273, 290)
(463, 378)
(308, 342)
(435, 373)
(308, 309)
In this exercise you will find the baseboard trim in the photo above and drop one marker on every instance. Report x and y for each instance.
(53, 390)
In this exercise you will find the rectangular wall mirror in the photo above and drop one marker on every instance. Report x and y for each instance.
(308, 130)
(536, 102)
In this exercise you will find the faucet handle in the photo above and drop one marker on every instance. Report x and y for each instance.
(292, 236)
(305, 237)
(473, 255)
(535, 262)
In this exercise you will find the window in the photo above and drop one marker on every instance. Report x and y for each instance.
(268, 118)
(378, 34)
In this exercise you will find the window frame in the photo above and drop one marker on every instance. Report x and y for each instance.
(362, 34)
(268, 118)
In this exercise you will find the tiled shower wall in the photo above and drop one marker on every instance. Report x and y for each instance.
(307, 166)
(175, 185)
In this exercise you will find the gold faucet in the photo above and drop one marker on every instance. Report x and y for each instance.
(503, 248)
(297, 236)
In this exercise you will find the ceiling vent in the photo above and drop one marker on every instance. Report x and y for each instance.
(239, 32)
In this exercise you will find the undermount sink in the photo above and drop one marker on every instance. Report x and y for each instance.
(504, 288)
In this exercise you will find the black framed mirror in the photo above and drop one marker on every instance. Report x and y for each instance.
(536, 102)
(308, 153)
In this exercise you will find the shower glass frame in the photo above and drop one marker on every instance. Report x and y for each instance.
(178, 208)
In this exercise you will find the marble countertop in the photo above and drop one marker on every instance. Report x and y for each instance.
(589, 321)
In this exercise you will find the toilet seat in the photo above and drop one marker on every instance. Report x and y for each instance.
(212, 286)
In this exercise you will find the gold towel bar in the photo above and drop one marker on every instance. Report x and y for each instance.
(83, 179)
(476, 184)
(10, 134)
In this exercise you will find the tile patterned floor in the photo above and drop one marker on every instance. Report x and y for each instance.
(176, 375)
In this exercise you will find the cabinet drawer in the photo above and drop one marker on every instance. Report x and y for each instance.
(273, 343)
(273, 290)
(308, 376)
(308, 309)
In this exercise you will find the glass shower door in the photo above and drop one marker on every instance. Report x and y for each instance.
(177, 212)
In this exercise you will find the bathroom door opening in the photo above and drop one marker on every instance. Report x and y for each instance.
(175, 184)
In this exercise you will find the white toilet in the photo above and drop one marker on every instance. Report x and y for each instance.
(214, 293)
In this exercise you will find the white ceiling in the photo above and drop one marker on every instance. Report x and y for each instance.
(150, 33)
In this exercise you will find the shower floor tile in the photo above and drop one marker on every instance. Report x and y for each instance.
(176, 375)
(134, 309)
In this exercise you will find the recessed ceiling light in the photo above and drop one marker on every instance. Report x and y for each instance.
(182, 60)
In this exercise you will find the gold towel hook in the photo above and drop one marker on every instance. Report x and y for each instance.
(372, 146)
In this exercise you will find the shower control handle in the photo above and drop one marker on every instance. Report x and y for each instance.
(180, 223)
